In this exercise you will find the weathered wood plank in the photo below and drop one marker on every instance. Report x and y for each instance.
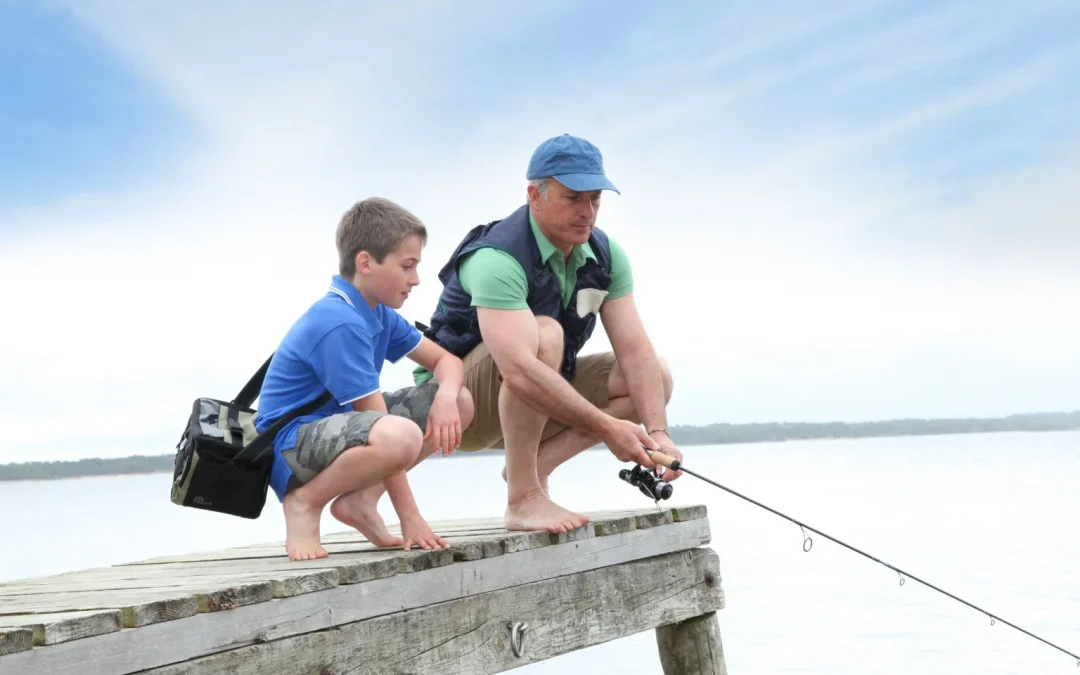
(136, 609)
(351, 568)
(15, 640)
(615, 525)
(282, 581)
(471, 635)
(344, 542)
(684, 513)
(213, 632)
(692, 647)
(143, 606)
(50, 629)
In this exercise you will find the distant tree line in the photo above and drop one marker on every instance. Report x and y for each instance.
(94, 466)
(712, 434)
(790, 431)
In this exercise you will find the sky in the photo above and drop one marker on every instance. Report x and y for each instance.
(851, 211)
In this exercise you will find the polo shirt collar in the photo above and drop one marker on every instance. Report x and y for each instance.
(347, 292)
(579, 253)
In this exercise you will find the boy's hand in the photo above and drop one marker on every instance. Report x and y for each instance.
(444, 423)
(417, 531)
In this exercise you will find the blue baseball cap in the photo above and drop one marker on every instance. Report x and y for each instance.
(573, 161)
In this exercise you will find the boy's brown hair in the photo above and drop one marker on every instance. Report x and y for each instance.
(376, 225)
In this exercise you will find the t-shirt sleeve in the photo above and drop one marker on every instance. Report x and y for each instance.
(404, 337)
(622, 276)
(494, 280)
(344, 360)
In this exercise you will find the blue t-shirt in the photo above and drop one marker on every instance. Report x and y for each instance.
(339, 344)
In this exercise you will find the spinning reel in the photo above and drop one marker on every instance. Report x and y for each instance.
(650, 484)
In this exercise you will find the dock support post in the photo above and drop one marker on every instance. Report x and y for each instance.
(692, 647)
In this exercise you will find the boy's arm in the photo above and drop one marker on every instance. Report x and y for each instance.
(444, 419)
(447, 369)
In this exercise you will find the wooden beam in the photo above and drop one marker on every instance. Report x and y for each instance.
(473, 635)
(692, 647)
(15, 640)
(51, 629)
(208, 633)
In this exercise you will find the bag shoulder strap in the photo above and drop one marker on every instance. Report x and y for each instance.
(254, 450)
(251, 390)
(259, 445)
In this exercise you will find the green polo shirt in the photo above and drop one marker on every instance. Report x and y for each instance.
(494, 278)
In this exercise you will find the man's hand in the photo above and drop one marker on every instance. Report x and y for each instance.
(668, 448)
(625, 440)
(444, 423)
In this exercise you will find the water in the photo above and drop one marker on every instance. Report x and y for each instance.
(990, 518)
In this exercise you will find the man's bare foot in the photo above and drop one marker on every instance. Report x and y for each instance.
(302, 529)
(359, 509)
(542, 478)
(417, 532)
(537, 512)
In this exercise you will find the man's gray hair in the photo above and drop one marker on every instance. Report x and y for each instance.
(541, 184)
(375, 225)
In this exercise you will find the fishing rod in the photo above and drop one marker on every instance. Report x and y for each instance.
(652, 485)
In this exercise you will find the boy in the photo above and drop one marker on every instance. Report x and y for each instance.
(351, 450)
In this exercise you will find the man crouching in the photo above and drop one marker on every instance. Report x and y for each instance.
(521, 297)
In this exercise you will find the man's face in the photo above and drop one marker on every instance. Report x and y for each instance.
(565, 216)
(396, 275)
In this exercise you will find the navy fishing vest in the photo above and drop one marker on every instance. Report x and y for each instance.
(454, 325)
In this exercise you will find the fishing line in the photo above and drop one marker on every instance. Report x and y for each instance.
(808, 543)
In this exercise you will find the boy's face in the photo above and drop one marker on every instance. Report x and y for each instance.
(393, 278)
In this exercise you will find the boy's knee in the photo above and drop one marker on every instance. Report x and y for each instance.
(551, 344)
(399, 437)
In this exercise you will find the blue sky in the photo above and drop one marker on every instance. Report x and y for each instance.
(75, 117)
(859, 210)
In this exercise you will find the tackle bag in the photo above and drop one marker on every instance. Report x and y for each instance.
(222, 463)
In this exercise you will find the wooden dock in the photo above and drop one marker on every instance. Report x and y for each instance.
(496, 601)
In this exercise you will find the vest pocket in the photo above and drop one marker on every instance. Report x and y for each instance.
(589, 301)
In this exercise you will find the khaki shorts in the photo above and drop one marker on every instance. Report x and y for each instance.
(483, 380)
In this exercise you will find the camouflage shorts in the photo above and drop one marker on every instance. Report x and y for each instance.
(412, 402)
(320, 442)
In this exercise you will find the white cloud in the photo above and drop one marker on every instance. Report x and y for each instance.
(758, 265)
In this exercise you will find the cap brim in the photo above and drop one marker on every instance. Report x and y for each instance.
(586, 182)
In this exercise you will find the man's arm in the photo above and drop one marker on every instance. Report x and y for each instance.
(498, 287)
(513, 339)
(641, 370)
(637, 360)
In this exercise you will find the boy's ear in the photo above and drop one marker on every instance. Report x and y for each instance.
(363, 262)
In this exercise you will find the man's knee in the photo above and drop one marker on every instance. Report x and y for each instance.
(466, 407)
(551, 344)
(665, 374)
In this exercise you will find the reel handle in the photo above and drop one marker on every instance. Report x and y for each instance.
(662, 459)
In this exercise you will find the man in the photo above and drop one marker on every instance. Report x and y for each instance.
(521, 297)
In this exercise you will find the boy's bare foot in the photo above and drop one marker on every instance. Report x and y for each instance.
(302, 529)
(540, 477)
(359, 509)
(537, 512)
(417, 532)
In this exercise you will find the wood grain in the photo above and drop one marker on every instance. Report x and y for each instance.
(471, 636)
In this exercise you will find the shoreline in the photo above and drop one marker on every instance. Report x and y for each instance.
(683, 436)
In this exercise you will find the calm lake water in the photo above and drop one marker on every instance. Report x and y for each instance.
(989, 517)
